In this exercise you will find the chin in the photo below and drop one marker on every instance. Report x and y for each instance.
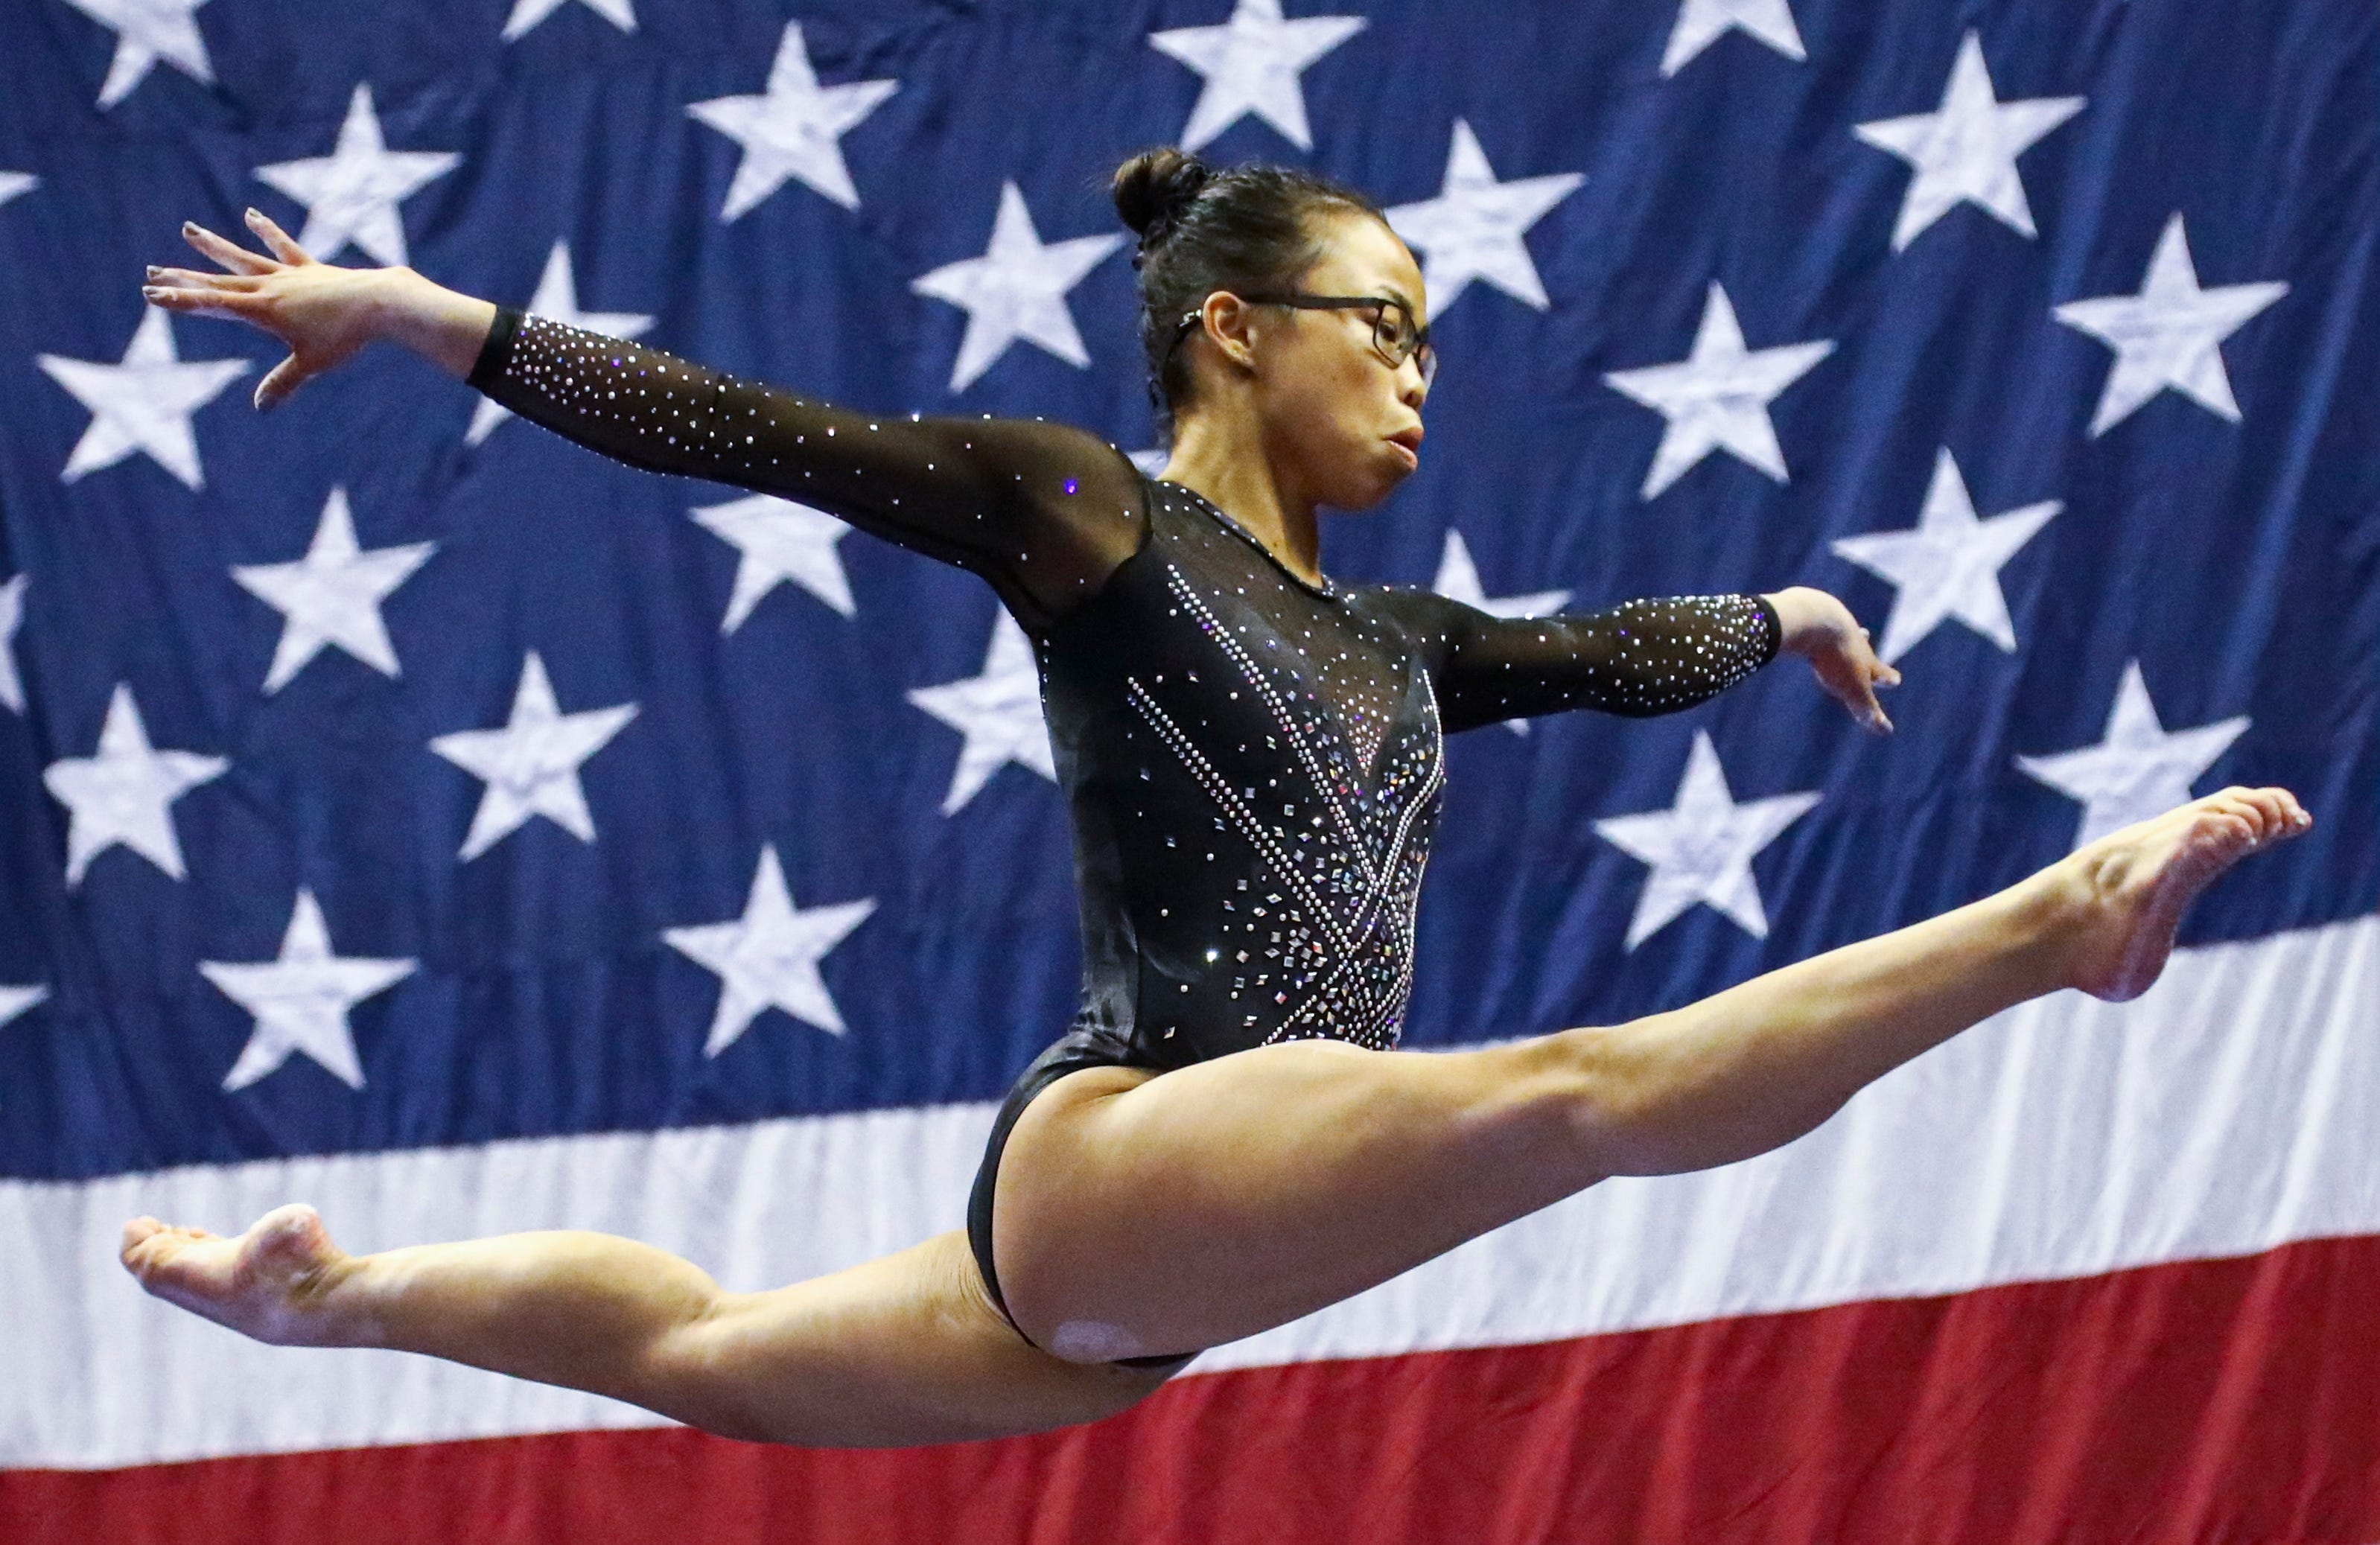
(1394, 481)
(1367, 491)
(1358, 503)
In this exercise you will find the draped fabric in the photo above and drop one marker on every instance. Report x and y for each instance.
(404, 810)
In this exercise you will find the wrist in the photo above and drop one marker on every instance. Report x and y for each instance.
(1800, 620)
(390, 295)
(443, 326)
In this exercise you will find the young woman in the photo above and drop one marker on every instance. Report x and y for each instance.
(1225, 1139)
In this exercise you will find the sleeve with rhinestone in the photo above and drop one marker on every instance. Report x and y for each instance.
(1044, 511)
(1639, 659)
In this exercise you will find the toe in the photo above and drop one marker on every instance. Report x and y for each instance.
(2245, 802)
(136, 1233)
(2276, 811)
(2217, 831)
(2249, 816)
(152, 1254)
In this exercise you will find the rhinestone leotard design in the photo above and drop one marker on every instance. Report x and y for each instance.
(1253, 763)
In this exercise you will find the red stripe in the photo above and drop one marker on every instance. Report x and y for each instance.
(2207, 1401)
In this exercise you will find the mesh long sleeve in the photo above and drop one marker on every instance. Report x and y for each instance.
(1639, 659)
(1045, 512)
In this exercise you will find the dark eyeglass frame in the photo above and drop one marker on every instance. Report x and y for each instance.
(1385, 332)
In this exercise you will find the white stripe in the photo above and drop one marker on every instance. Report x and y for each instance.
(2233, 1109)
(101, 1375)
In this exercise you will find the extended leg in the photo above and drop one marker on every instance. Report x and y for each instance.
(1152, 1215)
(902, 1350)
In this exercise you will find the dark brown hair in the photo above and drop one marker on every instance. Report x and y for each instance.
(1241, 228)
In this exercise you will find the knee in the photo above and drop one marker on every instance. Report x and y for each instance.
(699, 1381)
(1576, 1089)
(1664, 1095)
(689, 1371)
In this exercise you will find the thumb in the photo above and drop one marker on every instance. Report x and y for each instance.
(279, 382)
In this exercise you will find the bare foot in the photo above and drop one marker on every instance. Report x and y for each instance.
(271, 1282)
(2140, 880)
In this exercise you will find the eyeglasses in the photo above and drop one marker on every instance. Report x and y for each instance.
(1394, 335)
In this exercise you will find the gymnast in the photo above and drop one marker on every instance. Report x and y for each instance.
(1226, 1138)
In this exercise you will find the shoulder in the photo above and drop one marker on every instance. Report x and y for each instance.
(1081, 458)
(1408, 605)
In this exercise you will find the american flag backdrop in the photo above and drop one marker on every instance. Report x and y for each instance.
(405, 811)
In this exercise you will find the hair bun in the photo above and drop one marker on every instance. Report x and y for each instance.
(1153, 189)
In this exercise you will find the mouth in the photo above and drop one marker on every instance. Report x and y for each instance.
(1408, 442)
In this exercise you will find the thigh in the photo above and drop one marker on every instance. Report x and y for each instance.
(902, 1350)
(1140, 1215)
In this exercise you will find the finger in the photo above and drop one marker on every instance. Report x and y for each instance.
(1850, 691)
(284, 245)
(231, 254)
(279, 382)
(1872, 664)
(200, 302)
(1870, 712)
(191, 278)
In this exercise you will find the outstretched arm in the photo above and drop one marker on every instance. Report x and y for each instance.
(1638, 659)
(1044, 511)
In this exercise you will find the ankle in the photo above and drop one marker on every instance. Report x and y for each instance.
(2051, 912)
(326, 1303)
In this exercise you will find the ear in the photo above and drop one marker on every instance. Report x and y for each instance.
(1230, 325)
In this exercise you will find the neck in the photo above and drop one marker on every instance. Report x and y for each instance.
(1222, 459)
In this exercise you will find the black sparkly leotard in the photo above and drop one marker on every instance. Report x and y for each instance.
(1252, 764)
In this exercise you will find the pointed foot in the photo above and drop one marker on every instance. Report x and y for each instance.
(2139, 881)
(272, 1282)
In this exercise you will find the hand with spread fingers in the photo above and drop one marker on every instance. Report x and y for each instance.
(1822, 630)
(324, 313)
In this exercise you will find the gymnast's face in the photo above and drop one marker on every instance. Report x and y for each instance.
(1336, 418)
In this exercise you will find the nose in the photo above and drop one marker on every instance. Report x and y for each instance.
(1413, 388)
